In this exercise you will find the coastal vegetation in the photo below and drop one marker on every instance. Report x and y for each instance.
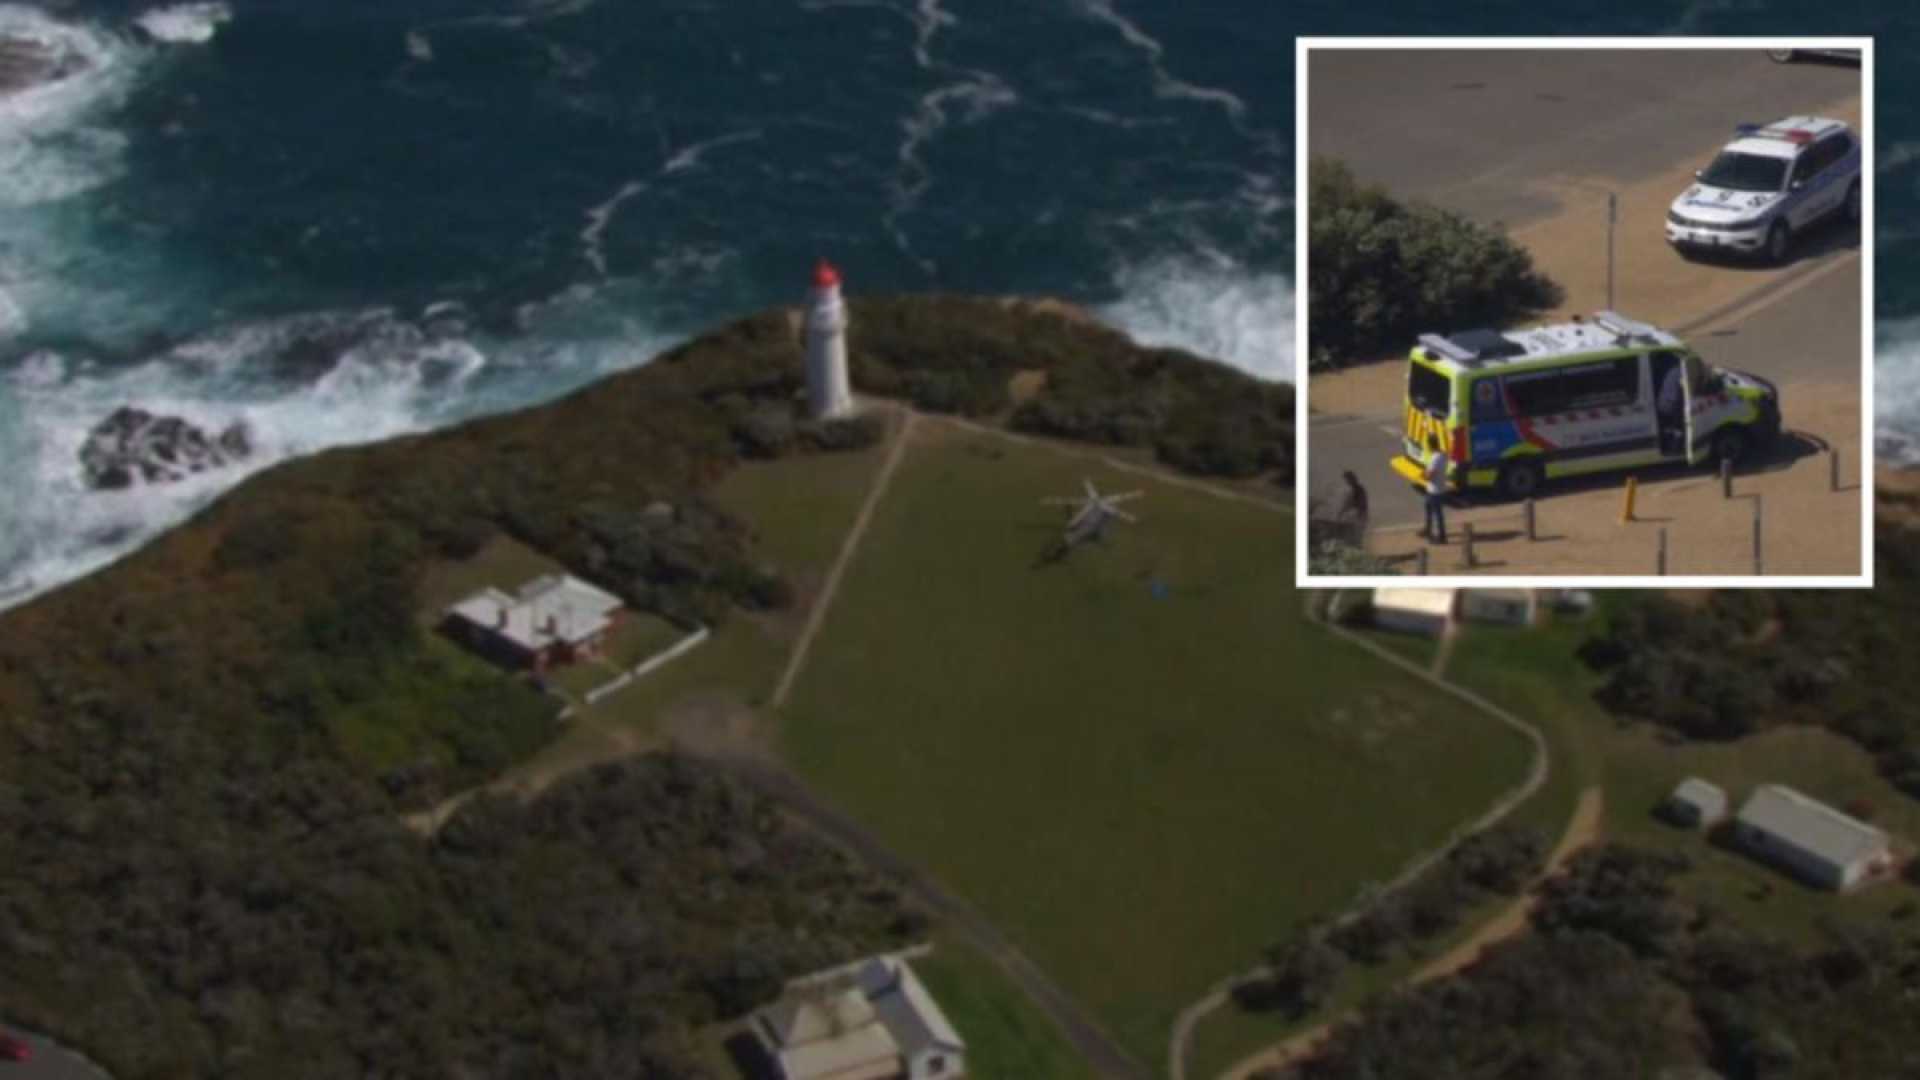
(1622, 976)
(1747, 661)
(1381, 271)
(206, 750)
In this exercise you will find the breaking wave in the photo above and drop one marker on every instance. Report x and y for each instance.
(185, 24)
(1896, 392)
(1212, 306)
(301, 384)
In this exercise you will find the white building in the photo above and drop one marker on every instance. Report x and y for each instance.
(1414, 611)
(553, 619)
(829, 395)
(870, 1020)
(1696, 803)
(1811, 839)
(1517, 607)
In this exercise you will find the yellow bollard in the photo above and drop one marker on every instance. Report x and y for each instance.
(1626, 512)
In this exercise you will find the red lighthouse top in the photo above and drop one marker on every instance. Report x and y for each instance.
(825, 276)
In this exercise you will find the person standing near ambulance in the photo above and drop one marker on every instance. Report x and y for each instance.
(1439, 466)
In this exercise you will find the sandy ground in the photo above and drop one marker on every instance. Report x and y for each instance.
(1581, 532)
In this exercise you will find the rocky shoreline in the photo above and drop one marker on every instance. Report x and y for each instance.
(27, 62)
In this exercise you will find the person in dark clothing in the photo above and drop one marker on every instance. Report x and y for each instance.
(1670, 406)
(1353, 509)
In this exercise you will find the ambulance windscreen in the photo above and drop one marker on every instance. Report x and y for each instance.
(1429, 390)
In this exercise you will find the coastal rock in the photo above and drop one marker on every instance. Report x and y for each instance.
(135, 446)
(27, 62)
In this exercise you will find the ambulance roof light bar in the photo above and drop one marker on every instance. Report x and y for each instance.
(1441, 346)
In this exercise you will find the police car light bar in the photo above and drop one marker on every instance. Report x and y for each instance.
(1436, 344)
(1798, 137)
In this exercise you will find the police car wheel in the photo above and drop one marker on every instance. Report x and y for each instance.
(1520, 480)
(1853, 203)
(1779, 242)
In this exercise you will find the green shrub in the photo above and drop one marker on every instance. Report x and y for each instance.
(1380, 272)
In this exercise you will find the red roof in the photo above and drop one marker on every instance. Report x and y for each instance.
(825, 276)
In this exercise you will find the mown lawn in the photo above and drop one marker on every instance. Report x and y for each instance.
(1006, 1035)
(1143, 787)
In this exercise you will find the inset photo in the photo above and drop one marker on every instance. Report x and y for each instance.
(1585, 311)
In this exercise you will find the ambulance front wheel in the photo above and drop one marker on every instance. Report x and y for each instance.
(1521, 479)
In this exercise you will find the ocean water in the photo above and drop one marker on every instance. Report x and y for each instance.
(478, 206)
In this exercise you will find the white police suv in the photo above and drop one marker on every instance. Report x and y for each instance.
(1771, 182)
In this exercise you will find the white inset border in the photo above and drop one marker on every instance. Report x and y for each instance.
(1866, 134)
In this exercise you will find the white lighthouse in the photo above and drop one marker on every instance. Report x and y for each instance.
(828, 395)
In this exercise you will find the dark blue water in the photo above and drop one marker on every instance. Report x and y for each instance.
(496, 202)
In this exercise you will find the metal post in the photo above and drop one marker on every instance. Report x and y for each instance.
(1613, 214)
(1626, 511)
(1470, 559)
(1834, 463)
(1423, 562)
(1726, 478)
(1663, 551)
(1756, 536)
(1531, 535)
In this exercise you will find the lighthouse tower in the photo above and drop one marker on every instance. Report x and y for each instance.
(828, 395)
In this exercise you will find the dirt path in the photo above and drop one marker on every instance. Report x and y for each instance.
(1537, 772)
(1582, 831)
(816, 616)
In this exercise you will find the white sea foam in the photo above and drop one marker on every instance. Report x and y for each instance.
(689, 157)
(13, 321)
(1897, 156)
(1168, 86)
(419, 46)
(185, 24)
(396, 379)
(49, 150)
(981, 93)
(1896, 391)
(1211, 305)
(598, 216)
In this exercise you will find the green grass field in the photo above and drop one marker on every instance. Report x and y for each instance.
(1143, 792)
(1007, 1037)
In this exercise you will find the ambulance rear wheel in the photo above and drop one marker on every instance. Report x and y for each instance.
(1730, 443)
(1779, 242)
(1521, 479)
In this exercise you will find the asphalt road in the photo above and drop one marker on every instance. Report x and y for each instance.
(1809, 334)
(1482, 131)
(1470, 129)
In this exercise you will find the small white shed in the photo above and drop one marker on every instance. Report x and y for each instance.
(1414, 611)
(1515, 607)
(1696, 804)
